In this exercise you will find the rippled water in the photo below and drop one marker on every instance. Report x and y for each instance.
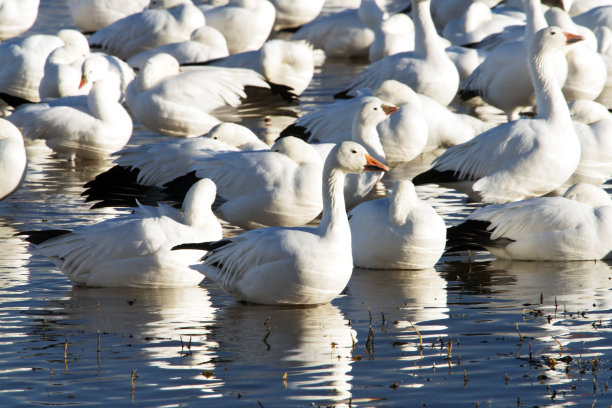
(465, 334)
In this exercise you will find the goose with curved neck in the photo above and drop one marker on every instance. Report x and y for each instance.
(134, 250)
(88, 126)
(523, 158)
(397, 232)
(427, 70)
(296, 266)
(503, 78)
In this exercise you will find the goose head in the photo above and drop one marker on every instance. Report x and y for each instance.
(397, 93)
(74, 41)
(588, 112)
(199, 200)
(297, 150)
(588, 194)
(233, 134)
(372, 112)
(94, 68)
(351, 157)
(552, 39)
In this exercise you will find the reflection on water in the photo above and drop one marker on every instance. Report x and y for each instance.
(484, 332)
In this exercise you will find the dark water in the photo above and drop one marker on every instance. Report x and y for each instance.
(465, 334)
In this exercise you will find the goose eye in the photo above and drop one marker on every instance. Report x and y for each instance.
(215, 137)
(375, 108)
(353, 151)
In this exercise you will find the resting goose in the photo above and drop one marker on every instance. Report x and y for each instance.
(134, 250)
(13, 159)
(293, 266)
(524, 158)
(397, 232)
(93, 15)
(16, 17)
(575, 226)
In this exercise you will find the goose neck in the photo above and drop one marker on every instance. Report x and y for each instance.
(334, 210)
(549, 97)
(102, 100)
(535, 19)
(425, 35)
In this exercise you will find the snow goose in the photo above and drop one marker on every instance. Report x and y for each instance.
(347, 33)
(93, 15)
(177, 103)
(134, 250)
(62, 71)
(596, 17)
(245, 24)
(13, 159)
(427, 70)
(593, 124)
(16, 17)
(22, 62)
(524, 158)
(86, 126)
(586, 70)
(575, 226)
(295, 13)
(206, 43)
(397, 232)
(509, 60)
(604, 38)
(149, 29)
(297, 266)
(288, 63)
(394, 35)
(156, 164)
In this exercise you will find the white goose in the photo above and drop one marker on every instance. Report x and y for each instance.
(86, 126)
(134, 250)
(62, 71)
(427, 70)
(397, 232)
(295, 13)
(16, 17)
(13, 159)
(576, 226)
(149, 29)
(347, 33)
(524, 158)
(245, 24)
(206, 43)
(177, 103)
(93, 15)
(298, 266)
(394, 35)
(289, 63)
(593, 124)
(490, 80)
(22, 61)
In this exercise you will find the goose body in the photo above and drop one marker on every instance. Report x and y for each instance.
(86, 126)
(13, 159)
(178, 103)
(16, 17)
(394, 35)
(22, 61)
(397, 232)
(298, 266)
(93, 15)
(575, 226)
(206, 43)
(245, 24)
(134, 250)
(427, 70)
(295, 13)
(524, 158)
(148, 29)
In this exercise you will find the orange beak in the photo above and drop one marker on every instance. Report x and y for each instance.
(572, 38)
(388, 109)
(83, 82)
(374, 165)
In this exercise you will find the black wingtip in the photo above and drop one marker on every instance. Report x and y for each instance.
(13, 100)
(467, 94)
(433, 176)
(343, 95)
(203, 246)
(296, 131)
(38, 237)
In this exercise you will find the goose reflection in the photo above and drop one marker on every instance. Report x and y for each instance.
(14, 255)
(164, 328)
(406, 298)
(312, 345)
